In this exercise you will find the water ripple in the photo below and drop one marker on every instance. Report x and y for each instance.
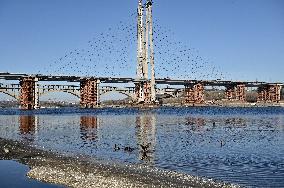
(239, 145)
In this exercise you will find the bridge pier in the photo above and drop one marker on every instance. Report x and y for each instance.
(199, 93)
(147, 93)
(189, 94)
(240, 92)
(89, 93)
(262, 94)
(230, 92)
(29, 95)
(143, 92)
(139, 94)
(194, 94)
(269, 93)
(275, 93)
(236, 92)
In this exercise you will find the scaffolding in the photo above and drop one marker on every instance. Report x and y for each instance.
(29, 93)
(240, 92)
(274, 93)
(230, 92)
(262, 93)
(139, 94)
(189, 94)
(199, 93)
(89, 93)
(194, 94)
(269, 93)
(147, 92)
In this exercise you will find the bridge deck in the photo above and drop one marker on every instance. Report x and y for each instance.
(10, 76)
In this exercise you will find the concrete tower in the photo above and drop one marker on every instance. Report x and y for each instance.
(145, 53)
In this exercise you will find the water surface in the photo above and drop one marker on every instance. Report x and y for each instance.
(13, 174)
(238, 145)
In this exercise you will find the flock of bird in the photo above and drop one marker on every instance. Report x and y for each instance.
(113, 54)
(174, 59)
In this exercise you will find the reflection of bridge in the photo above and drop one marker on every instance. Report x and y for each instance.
(90, 129)
(144, 89)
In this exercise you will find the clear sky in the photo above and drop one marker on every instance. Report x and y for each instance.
(243, 38)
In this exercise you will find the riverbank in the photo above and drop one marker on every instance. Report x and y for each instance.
(206, 104)
(83, 172)
(176, 102)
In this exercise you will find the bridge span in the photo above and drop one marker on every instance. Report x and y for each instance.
(88, 89)
(144, 89)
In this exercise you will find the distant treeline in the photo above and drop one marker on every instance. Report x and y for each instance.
(15, 104)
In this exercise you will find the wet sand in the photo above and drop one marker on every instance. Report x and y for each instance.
(83, 172)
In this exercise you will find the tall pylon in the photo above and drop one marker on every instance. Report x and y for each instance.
(145, 50)
(150, 43)
(140, 42)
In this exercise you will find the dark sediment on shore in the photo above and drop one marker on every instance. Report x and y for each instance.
(83, 172)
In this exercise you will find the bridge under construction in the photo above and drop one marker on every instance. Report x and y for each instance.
(28, 90)
(144, 87)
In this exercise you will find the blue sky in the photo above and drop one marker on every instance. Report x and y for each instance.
(244, 39)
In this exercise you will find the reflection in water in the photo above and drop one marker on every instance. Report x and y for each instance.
(146, 136)
(196, 124)
(28, 126)
(200, 124)
(88, 128)
(243, 145)
(236, 122)
(195, 121)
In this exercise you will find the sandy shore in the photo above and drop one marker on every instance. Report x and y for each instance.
(84, 172)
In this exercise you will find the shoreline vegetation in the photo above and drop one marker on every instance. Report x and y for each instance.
(120, 104)
(81, 171)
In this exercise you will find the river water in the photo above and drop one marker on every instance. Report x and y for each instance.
(13, 174)
(236, 145)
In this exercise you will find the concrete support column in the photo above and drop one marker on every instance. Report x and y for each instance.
(147, 92)
(240, 92)
(139, 93)
(89, 93)
(262, 94)
(194, 94)
(36, 93)
(230, 92)
(143, 92)
(189, 94)
(199, 93)
(274, 93)
(29, 97)
(269, 93)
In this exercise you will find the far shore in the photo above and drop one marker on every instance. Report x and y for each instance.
(212, 103)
